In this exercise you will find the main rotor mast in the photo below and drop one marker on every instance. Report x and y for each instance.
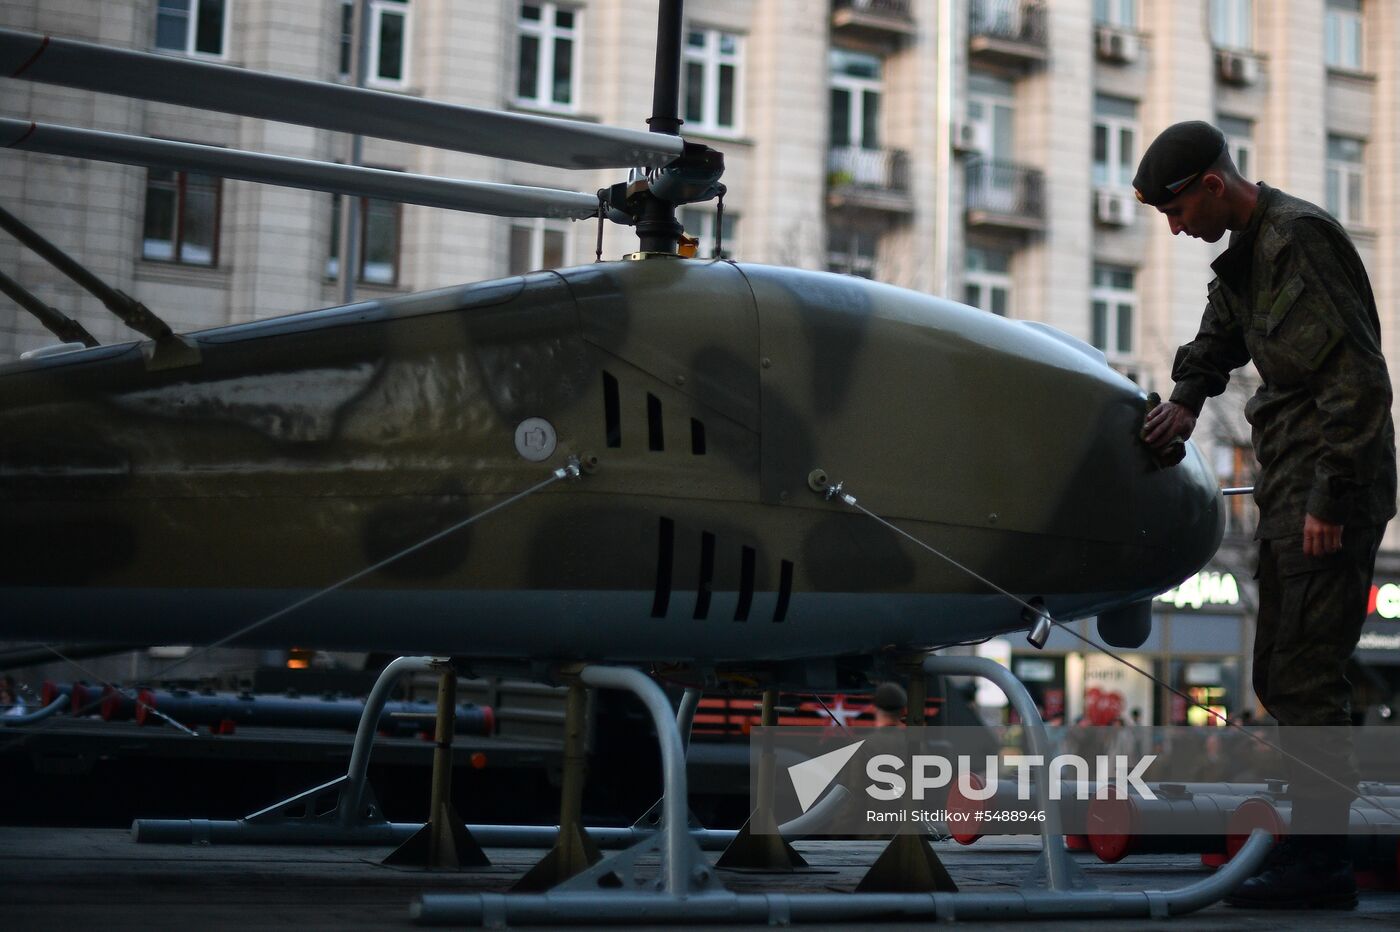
(657, 227)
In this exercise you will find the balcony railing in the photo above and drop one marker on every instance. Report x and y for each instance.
(888, 9)
(882, 23)
(1007, 33)
(886, 169)
(1002, 194)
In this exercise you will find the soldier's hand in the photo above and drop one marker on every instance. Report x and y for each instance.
(1167, 423)
(1320, 537)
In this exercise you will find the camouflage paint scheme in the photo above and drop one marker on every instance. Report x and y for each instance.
(178, 506)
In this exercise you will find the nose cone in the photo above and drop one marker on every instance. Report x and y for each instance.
(1181, 512)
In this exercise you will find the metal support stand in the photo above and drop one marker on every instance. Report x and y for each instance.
(1054, 868)
(573, 851)
(442, 842)
(758, 846)
(343, 811)
(685, 720)
(682, 889)
(909, 864)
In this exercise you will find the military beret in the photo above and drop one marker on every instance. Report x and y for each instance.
(1175, 159)
(890, 697)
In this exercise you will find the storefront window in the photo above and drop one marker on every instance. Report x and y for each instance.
(1212, 684)
(1044, 676)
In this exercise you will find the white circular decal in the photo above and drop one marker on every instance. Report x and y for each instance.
(535, 439)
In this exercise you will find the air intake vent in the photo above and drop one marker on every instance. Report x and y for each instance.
(611, 417)
(656, 440)
(741, 611)
(707, 575)
(784, 592)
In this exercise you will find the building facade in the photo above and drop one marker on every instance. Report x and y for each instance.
(980, 149)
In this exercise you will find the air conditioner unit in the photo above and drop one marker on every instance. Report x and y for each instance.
(1115, 45)
(966, 137)
(1239, 68)
(1113, 208)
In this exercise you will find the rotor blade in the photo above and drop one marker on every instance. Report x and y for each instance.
(208, 86)
(502, 200)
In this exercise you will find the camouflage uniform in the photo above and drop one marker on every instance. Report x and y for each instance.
(1292, 295)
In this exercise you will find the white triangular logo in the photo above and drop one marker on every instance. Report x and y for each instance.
(811, 777)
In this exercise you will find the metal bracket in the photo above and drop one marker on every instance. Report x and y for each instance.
(321, 805)
(642, 868)
(1038, 876)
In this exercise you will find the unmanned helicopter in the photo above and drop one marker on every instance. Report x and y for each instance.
(690, 420)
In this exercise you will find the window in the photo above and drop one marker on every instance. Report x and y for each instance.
(1120, 13)
(1114, 308)
(1232, 24)
(699, 222)
(192, 26)
(388, 40)
(549, 49)
(855, 99)
(182, 218)
(991, 111)
(378, 227)
(1344, 174)
(851, 251)
(1115, 141)
(1343, 34)
(987, 280)
(537, 244)
(710, 81)
(1239, 139)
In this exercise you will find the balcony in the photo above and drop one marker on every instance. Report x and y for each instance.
(1007, 35)
(883, 23)
(877, 179)
(1005, 197)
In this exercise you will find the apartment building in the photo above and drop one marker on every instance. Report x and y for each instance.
(980, 149)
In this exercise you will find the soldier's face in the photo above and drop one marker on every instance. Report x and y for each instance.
(1199, 211)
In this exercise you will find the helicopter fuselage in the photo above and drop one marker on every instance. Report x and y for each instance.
(180, 505)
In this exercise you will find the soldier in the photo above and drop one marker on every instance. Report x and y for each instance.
(1291, 294)
(890, 701)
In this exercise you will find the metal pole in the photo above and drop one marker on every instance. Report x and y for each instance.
(685, 714)
(1052, 833)
(674, 794)
(657, 228)
(352, 797)
(575, 762)
(943, 185)
(132, 312)
(666, 89)
(624, 906)
(349, 245)
(56, 322)
(767, 761)
(441, 850)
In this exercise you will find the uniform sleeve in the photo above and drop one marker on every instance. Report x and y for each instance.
(1351, 384)
(1202, 367)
